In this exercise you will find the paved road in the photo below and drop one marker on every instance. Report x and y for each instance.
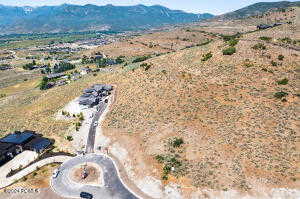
(92, 131)
(113, 187)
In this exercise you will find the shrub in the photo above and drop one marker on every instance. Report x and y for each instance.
(69, 138)
(229, 51)
(177, 142)
(259, 46)
(146, 66)
(207, 56)
(232, 42)
(283, 81)
(44, 83)
(273, 63)
(204, 43)
(280, 94)
(120, 59)
(227, 38)
(280, 57)
(63, 66)
(81, 117)
(265, 38)
(2, 95)
(286, 40)
(29, 66)
(160, 158)
(141, 58)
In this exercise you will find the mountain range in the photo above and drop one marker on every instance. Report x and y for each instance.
(259, 8)
(77, 18)
(69, 18)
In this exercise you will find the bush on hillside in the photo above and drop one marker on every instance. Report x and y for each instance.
(207, 56)
(283, 81)
(280, 57)
(265, 38)
(280, 94)
(177, 142)
(229, 51)
(29, 66)
(233, 42)
(273, 63)
(141, 58)
(259, 46)
(44, 83)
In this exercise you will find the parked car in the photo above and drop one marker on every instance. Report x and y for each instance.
(55, 173)
(96, 124)
(86, 195)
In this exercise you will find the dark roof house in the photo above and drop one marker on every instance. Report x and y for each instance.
(18, 137)
(263, 26)
(55, 75)
(38, 144)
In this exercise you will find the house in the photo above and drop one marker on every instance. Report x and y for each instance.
(75, 76)
(263, 26)
(39, 66)
(60, 82)
(102, 87)
(5, 67)
(7, 152)
(88, 90)
(17, 142)
(111, 62)
(92, 96)
(55, 75)
(38, 144)
(50, 85)
(90, 101)
(85, 71)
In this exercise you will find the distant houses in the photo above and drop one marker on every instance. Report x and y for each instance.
(5, 67)
(266, 26)
(15, 143)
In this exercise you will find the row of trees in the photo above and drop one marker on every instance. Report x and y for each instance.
(63, 66)
(29, 66)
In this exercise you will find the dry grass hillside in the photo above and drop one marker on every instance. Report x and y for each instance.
(153, 43)
(236, 133)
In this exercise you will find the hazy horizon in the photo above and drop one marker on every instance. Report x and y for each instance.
(194, 6)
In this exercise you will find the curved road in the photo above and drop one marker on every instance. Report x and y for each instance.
(92, 131)
(113, 187)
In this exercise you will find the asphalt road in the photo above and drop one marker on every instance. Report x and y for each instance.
(92, 131)
(113, 187)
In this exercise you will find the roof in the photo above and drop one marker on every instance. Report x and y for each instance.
(17, 137)
(38, 143)
(5, 146)
(55, 75)
(106, 87)
(86, 69)
(88, 90)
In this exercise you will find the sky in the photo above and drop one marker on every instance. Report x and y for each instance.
(195, 6)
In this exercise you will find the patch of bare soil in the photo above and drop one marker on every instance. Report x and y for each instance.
(87, 174)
